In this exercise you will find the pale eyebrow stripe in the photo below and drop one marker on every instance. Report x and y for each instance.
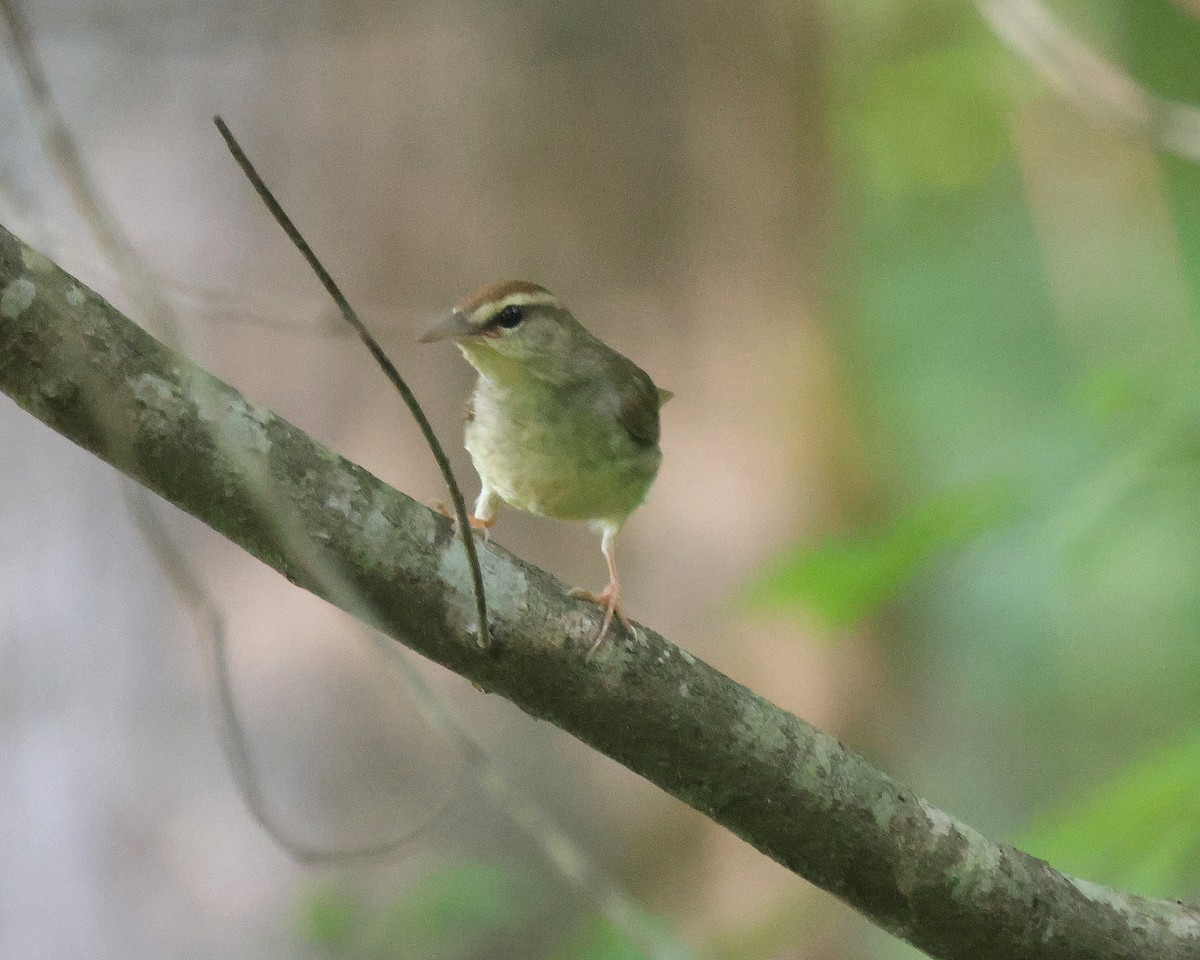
(515, 300)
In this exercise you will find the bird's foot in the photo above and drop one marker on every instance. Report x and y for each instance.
(610, 599)
(478, 524)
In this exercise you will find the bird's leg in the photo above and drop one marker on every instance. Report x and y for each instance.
(485, 512)
(610, 596)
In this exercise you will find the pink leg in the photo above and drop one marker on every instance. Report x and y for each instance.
(485, 513)
(610, 596)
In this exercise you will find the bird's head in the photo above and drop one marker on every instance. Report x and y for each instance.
(509, 328)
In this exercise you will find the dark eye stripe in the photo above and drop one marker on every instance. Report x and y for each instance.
(509, 317)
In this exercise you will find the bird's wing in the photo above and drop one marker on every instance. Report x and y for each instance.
(638, 412)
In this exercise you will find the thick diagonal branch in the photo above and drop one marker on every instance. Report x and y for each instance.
(793, 792)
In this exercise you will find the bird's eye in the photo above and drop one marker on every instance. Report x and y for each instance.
(509, 317)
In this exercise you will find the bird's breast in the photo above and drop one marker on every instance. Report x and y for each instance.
(558, 453)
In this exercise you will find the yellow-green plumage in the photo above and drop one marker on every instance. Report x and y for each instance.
(564, 448)
(560, 424)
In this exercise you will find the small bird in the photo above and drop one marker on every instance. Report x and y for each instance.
(560, 424)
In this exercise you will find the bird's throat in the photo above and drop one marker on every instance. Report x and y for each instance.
(496, 366)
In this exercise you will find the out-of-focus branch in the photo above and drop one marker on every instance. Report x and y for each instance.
(64, 156)
(793, 792)
(147, 289)
(1097, 86)
(140, 281)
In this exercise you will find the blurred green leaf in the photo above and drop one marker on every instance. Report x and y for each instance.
(1113, 395)
(1159, 40)
(452, 910)
(601, 940)
(446, 914)
(329, 918)
(850, 576)
(1140, 832)
(471, 898)
(932, 121)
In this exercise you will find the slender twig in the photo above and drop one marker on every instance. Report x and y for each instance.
(145, 286)
(64, 155)
(141, 283)
(381, 358)
(791, 791)
(203, 305)
(237, 748)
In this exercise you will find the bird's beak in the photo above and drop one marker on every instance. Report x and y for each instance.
(453, 326)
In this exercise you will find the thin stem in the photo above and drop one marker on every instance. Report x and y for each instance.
(791, 791)
(381, 358)
(143, 286)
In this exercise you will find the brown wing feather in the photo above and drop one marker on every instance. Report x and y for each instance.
(639, 410)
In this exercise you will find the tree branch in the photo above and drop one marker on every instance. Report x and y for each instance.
(796, 794)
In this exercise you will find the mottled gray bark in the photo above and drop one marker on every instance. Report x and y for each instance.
(793, 792)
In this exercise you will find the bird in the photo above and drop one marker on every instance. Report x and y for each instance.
(560, 424)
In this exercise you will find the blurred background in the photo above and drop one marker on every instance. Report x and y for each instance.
(923, 277)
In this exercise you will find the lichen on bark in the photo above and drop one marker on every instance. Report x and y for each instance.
(795, 793)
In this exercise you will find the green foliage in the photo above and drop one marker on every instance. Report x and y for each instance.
(600, 940)
(471, 900)
(930, 122)
(329, 919)
(446, 914)
(1139, 832)
(466, 910)
(1159, 41)
(1019, 300)
(849, 576)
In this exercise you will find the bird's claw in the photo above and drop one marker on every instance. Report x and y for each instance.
(477, 524)
(610, 599)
